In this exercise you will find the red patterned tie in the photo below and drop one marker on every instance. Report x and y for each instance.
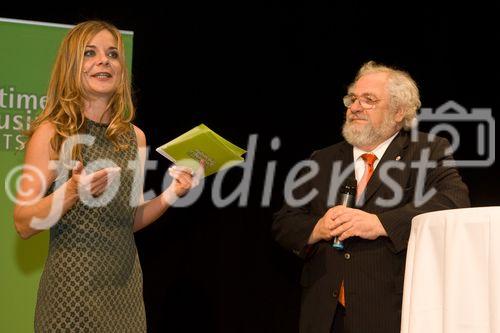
(342, 294)
(369, 159)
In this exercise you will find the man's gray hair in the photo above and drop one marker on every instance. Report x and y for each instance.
(402, 89)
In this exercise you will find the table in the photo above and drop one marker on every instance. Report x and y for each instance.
(452, 278)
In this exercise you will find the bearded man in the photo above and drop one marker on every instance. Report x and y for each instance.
(358, 289)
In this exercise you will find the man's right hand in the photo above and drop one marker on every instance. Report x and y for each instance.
(323, 229)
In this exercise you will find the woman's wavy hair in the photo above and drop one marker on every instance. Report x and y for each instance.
(66, 93)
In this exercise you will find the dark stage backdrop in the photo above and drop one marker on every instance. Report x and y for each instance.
(276, 69)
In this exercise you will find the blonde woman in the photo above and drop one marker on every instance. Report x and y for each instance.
(92, 279)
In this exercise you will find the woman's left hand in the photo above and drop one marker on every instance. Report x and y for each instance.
(184, 179)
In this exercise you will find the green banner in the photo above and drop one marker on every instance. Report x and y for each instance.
(27, 53)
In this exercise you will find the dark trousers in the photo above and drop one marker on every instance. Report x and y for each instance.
(338, 320)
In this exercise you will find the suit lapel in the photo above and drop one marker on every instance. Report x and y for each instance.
(347, 157)
(394, 150)
(335, 180)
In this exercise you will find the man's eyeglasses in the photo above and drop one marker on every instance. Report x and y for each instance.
(366, 102)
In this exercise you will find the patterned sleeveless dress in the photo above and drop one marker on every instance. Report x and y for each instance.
(92, 280)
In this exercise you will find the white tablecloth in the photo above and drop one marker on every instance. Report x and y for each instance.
(452, 279)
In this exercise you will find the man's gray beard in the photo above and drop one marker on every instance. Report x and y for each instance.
(368, 135)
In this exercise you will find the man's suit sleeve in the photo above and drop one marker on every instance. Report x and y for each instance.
(292, 226)
(451, 193)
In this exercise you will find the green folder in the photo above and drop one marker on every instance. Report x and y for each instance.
(201, 143)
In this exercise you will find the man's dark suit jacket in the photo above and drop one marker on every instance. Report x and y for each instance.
(372, 270)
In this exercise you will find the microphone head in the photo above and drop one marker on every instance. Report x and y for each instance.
(349, 186)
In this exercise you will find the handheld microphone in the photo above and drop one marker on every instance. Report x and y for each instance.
(347, 197)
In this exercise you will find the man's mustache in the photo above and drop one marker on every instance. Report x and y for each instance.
(352, 118)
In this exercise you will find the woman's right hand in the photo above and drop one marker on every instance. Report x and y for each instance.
(93, 183)
(34, 210)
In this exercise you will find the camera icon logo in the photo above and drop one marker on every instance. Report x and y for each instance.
(452, 112)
